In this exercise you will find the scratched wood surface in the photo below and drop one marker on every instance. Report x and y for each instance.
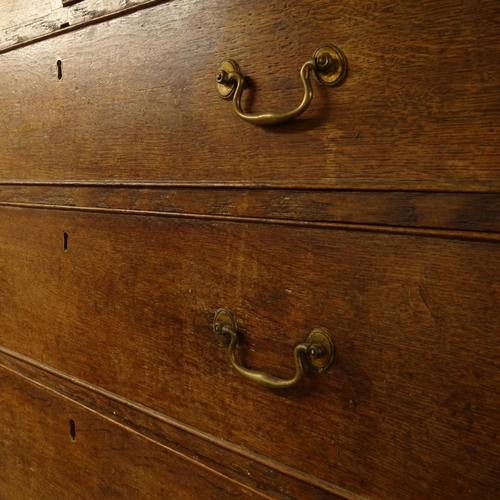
(22, 21)
(137, 99)
(44, 456)
(409, 409)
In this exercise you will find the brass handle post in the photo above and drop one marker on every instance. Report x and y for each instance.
(318, 349)
(328, 64)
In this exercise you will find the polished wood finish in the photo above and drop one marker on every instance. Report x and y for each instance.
(134, 203)
(419, 109)
(129, 307)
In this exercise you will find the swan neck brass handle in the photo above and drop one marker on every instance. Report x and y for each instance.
(328, 64)
(318, 349)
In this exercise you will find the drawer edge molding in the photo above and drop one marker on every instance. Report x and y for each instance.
(462, 212)
(459, 234)
(15, 361)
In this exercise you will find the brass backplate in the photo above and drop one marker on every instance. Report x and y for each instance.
(226, 89)
(335, 74)
(223, 317)
(321, 336)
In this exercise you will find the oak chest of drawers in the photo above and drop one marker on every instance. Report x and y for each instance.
(172, 276)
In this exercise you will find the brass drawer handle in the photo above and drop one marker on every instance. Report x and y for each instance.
(318, 348)
(329, 64)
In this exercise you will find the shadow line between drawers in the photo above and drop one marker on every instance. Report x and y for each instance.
(292, 473)
(423, 187)
(407, 231)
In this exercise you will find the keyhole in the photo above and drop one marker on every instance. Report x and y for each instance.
(65, 241)
(59, 69)
(72, 430)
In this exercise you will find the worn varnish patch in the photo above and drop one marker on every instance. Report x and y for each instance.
(25, 21)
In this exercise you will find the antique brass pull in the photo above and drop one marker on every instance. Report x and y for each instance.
(318, 348)
(328, 64)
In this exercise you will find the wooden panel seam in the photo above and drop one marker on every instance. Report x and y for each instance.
(307, 478)
(435, 187)
(131, 430)
(469, 212)
(407, 231)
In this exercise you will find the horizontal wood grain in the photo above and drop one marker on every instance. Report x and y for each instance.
(239, 464)
(129, 308)
(25, 21)
(419, 109)
(42, 458)
(134, 203)
(452, 211)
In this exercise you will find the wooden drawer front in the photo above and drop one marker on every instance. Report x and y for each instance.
(55, 448)
(409, 404)
(138, 101)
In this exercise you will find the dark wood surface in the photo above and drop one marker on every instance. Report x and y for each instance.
(451, 211)
(239, 464)
(129, 307)
(419, 109)
(44, 456)
(375, 214)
